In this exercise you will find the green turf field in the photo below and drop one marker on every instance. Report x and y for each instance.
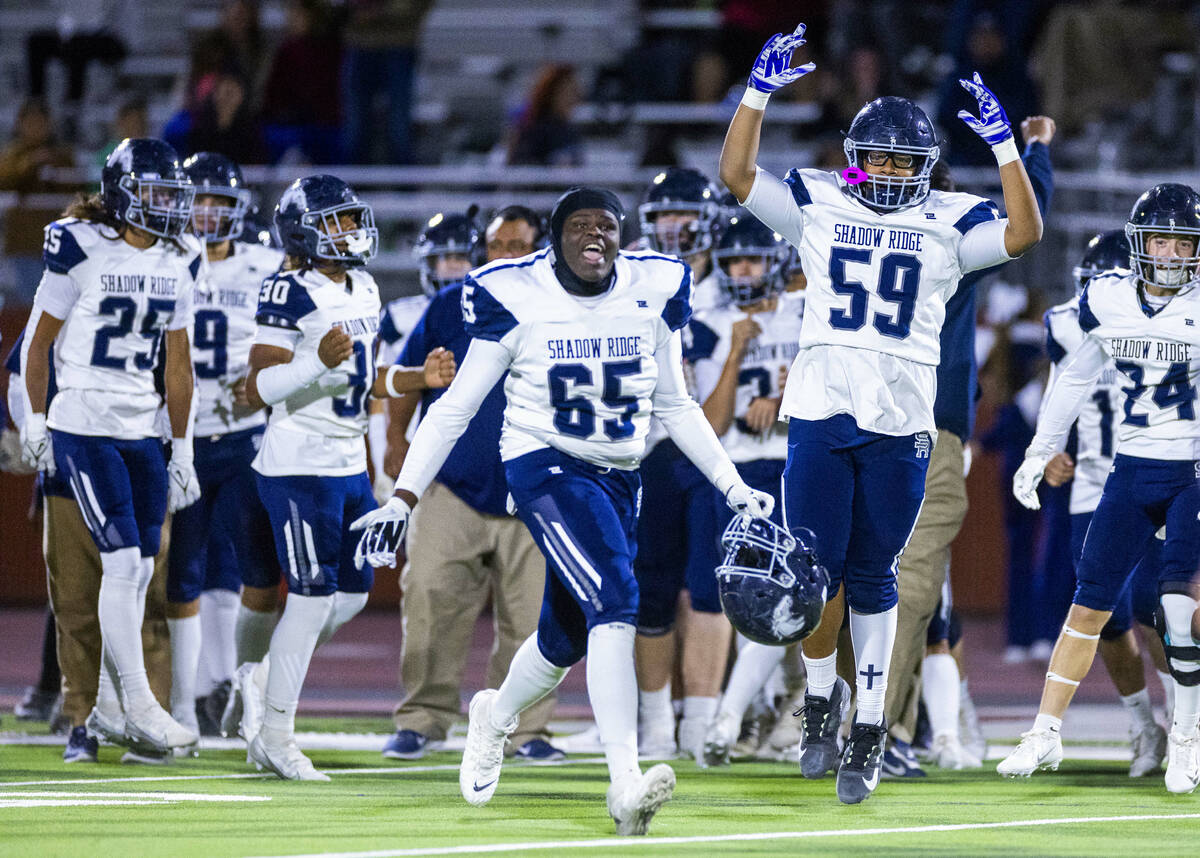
(194, 807)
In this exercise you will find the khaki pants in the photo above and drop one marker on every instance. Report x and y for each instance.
(923, 569)
(73, 579)
(457, 558)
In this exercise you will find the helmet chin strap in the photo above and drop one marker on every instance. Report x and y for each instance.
(1175, 276)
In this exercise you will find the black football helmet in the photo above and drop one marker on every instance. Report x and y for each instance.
(896, 126)
(1105, 251)
(215, 175)
(142, 184)
(444, 234)
(680, 189)
(1166, 209)
(747, 236)
(771, 585)
(308, 219)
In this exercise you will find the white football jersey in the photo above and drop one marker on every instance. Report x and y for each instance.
(877, 290)
(223, 332)
(1096, 426)
(397, 321)
(767, 356)
(116, 301)
(1158, 356)
(319, 429)
(583, 369)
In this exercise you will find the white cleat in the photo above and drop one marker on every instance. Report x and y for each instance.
(722, 736)
(948, 753)
(692, 734)
(633, 801)
(484, 754)
(970, 732)
(250, 683)
(231, 715)
(1149, 751)
(285, 760)
(151, 727)
(1183, 763)
(107, 726)
(656, 739)
(1039, 749)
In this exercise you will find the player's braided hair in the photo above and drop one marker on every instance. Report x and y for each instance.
(90, 208)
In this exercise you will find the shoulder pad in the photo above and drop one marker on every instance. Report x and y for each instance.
(485, 318)
(283, 301)
(982, 212)
(699, 341)
(63, 244)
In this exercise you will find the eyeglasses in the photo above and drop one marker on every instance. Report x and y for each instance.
(900, 160)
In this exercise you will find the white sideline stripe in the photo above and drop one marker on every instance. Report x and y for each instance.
(574, 549)
(616, 842)
(76, 799)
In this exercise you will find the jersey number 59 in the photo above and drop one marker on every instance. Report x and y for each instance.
(899, 282)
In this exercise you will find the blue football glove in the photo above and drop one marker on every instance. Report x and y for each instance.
(772, 68)
(992, 125)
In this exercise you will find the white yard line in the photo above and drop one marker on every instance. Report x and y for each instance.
(39, 798)
(649, 842)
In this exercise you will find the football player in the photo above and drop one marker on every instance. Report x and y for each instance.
(312, 362)
(589, 337)
(1141, 320)
(882, 254)
(224, 540)
(119, 285)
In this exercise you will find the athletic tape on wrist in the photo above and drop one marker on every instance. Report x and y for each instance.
(1006, 152)
(755, 99)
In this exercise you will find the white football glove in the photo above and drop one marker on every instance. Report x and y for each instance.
(36, 451)
(183, 486)
(747, 501)
(383, 531)
(1027, 478)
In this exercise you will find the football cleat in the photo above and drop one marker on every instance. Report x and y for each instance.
(633, 801)
(862, 762)
(692, 734)
(151, 727)
(1039, 749)
(539, 750)
(108, 727)
(656, 740)
(252, 690)
(284, 759)
(820, 720)
(1183, 763)
(721, 736)
(783, 742)
(1149, 750)
(479, 772)
(143, 756)
(899, 761)
(406, 745)
(231, 716)
(214, 707)
(36, 705)
(947, 752)
(81, 747)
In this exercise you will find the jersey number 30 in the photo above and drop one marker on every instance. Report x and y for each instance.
(899, 281)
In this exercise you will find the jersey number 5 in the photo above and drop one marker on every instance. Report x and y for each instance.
(899, 281)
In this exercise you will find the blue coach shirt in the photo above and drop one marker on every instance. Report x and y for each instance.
(957, 382)
(473, 470)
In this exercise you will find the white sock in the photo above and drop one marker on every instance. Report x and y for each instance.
(291, 649)
(1178, 611)
(252, 633)
(186, 635)
(700, 708)
(754, 665)
(108, 697)
(873, 636)
(822, 675)
(612, 690)
(120, 612)
(346, 607)
(654, 708)
(530, 678)
(1141, 710)
(940, 690)
(1047, 722)
(218, 617)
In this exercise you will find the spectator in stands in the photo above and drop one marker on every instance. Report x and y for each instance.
(225, 123)
(380, 60)
(85, 31)
(132, 120)
(544, 133)
(302, 109)
(842, 98)
(236, 45)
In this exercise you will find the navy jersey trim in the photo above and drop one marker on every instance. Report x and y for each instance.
(65, 253)
(981, 213)
(699, 341)
(1053, 348)
(388, 332)
(678, 309)
(1087, 319)
(484, 317)
(194, 267)
(283, 302)
(12, 363)
(795, 182)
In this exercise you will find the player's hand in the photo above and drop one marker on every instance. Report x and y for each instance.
(383, 531)
(747, 501)
(744, 330)
(762, 414)
(992, 125)
(335, 347)
(36, 451)
(440, 368)
(1025, 481)
(11, 461)
(183, 486)
(772, 68)
(1038, 129)
(1059, 470)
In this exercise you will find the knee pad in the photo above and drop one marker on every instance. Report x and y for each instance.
(124, 564)
(1173, 622)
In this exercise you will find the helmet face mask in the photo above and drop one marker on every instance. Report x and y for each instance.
(1168, 210)
(895, 127)
(336, 242)
(447, 235)
(679, 191)
(749, 238)
(213, 222)
(142, 185)
(321, 219)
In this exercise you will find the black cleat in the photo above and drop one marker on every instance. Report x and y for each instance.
(820, 720)
(861, 763)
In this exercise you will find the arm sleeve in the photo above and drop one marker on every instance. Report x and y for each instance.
(447, 419)
(56, 294)
(982, 245)
(1071, 388)
(1041, 174)
(685, 422)
(283, 338)
(777, 203)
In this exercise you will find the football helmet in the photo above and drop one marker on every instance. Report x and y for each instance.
(1105, 251)
(749, 237)
(901, 129)
(771, 585)
(308, 219)
(142, 184)
(444, 234)
(1166, 209)
(680, 189)
(215, 175)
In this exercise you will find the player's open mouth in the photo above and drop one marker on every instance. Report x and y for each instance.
(593, 253)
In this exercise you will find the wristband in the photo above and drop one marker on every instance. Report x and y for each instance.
(755, 99)
(1006, 152)
(389, 378)
(276, 383)
(726, 478)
